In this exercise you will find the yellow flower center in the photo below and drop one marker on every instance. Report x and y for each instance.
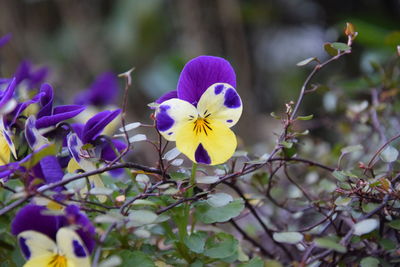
(58, 261)
(201, 125)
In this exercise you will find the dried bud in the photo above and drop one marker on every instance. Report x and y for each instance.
(350, 31)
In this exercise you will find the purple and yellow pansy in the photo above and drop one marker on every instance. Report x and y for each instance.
(199, 114)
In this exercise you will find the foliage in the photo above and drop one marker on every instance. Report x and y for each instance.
(301, 203)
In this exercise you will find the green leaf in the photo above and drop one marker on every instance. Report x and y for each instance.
(136, 258)
(339, 175)
(209, 214)
(387, 244)
(196, 242)
(305, 118)
(341, 46)
(286, 144)
(39, 155)
(390, 154)
(220, 246)
(365, 226)
(141, 217)
(306, 61)
(255, 262)
(395, 224)
(330, 50)
(369, 262)
(330, 243)
(350, 149)
(207, 179)
(288, 237)
(219, 199)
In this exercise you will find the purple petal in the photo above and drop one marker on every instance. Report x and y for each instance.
(78, 129)
(33, 78)
(202, 72)
(30, 217)
(51, 169)
(60, 113)
(8, 93)
(46, 100)
(163, 120)
(22, 106)
(108, 153)
(103, 91)
(5, 39)
(167, 96)
(97, 123)
(85, 230)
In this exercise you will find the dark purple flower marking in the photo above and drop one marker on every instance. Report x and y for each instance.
(79, 251)
(164, 121)
(24, 248)
(232, 99)
(103, 91)
(201, 155)
(229, 121)
(218, 89)
(202, 72)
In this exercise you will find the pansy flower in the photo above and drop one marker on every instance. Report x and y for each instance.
(54, 240)
(102, 92)
(200, 113)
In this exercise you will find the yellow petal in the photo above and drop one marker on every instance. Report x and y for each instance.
(210, 142)
(221, 102)
(171, 114)
(5, 151)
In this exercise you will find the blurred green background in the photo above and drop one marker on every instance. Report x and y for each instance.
(79, 39)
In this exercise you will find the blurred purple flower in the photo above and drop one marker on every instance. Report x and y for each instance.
(6, 96)
(32, 78)
(5, 39)
(103, 91)
(32, 217)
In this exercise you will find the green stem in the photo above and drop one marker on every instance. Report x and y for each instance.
(186, 210)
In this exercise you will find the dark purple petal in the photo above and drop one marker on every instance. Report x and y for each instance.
(97, 123)
(85, 230)
(202, 72)
(46, 100)
(78, 129)
(30, 217)
(167, 96)
(103, 91)
(30, 135)
(163, 120)
(201, 155)
(5, 39)
(8, 93)
(108, 153)
(60, 113)
(51, 169)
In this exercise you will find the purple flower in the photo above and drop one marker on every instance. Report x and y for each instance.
(102, 92)
(5, 39)
(200, 113)
(32, 217)
(87, 133)
(33, 78)
(49, 116)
